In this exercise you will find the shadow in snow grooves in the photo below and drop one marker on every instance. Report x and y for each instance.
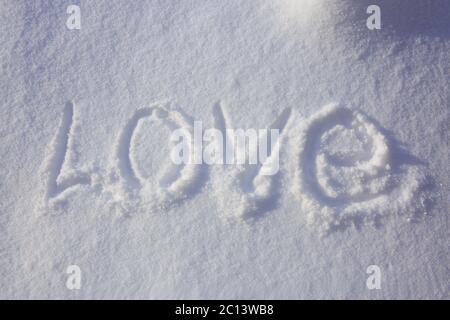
(177, 181)
(60, 148)
(259, 191)
(123, 150)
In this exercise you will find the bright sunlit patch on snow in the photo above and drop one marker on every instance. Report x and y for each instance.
(298, 12)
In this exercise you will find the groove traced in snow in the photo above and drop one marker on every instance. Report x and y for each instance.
(260, 191)
(58, 182)
(177, 182)
(250, 192)
(123, 150)
(346, 171)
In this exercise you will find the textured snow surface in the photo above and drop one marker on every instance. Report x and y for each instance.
(86, 177)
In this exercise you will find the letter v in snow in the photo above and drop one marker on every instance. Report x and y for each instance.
(257, 181)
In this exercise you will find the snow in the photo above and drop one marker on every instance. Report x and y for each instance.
(86, 177)
(348, 172)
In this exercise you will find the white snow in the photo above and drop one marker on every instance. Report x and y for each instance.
(347, 171)
(86, 176)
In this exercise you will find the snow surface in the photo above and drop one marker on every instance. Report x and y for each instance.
(86, 178)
